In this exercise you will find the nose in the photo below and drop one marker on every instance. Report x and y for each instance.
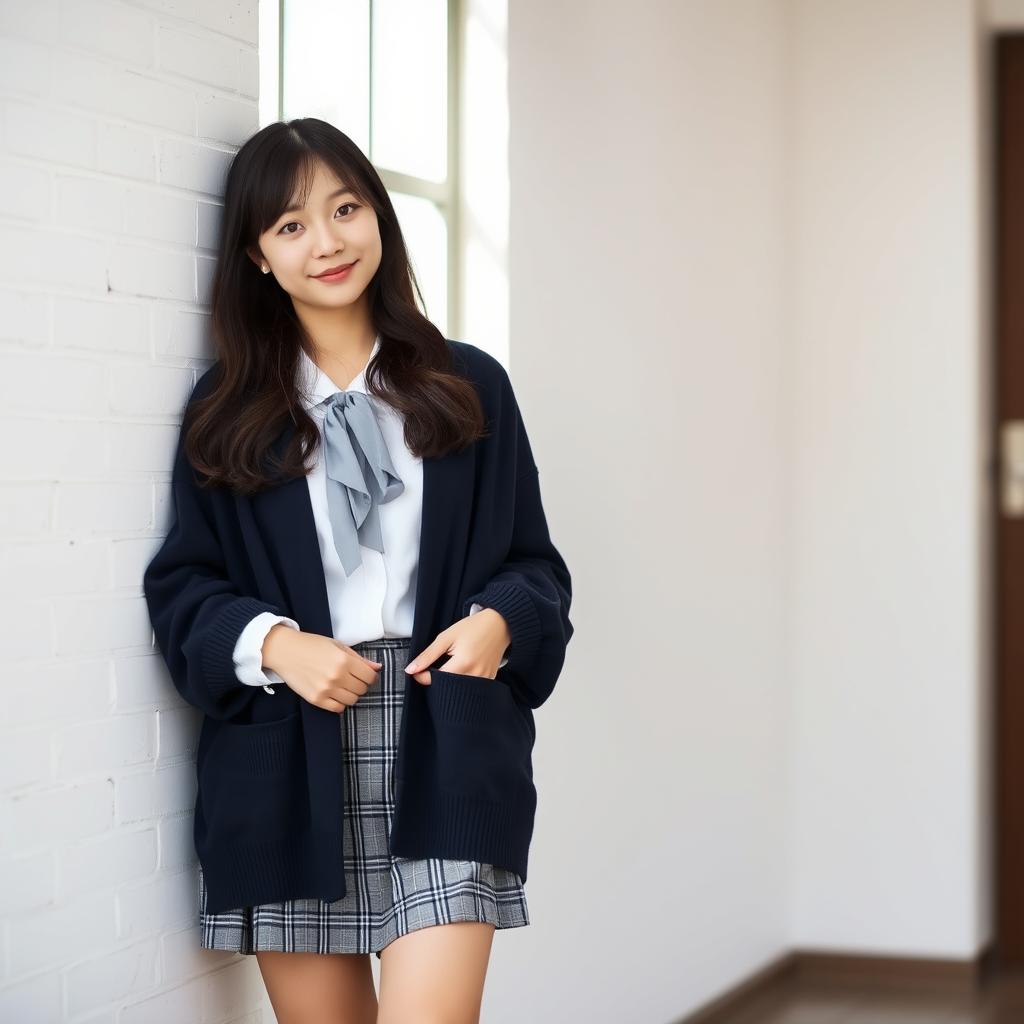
(328, 242)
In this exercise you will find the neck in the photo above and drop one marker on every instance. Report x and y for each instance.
(341, 337)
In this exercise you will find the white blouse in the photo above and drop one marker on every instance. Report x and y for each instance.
(378, 599)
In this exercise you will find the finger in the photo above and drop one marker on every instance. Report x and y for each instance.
(431, 653)
(367, 676)
(368, 661)
(423, 677)
(346, 647)
(347, 697)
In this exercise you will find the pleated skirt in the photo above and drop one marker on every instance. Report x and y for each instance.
(386, 896)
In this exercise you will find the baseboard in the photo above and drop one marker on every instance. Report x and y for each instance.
(802, 969)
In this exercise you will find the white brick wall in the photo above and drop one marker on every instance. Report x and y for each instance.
(117, 123)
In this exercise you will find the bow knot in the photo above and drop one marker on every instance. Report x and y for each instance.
(360, 475)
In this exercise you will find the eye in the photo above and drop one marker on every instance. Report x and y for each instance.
(355, 206)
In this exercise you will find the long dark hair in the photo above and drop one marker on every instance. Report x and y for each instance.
(257, 334)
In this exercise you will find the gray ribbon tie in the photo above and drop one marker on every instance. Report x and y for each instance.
(360, 475)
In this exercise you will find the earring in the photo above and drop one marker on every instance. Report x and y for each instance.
(266, 269)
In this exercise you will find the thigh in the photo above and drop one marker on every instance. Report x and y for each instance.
(435, 974)
(319, 988)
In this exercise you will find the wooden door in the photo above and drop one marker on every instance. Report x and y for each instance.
(1009, 504)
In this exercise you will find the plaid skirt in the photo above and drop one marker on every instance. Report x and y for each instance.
(386, 896)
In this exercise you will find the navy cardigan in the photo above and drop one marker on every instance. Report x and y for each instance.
(269, 808)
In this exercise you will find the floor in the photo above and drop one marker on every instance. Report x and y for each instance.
(1000, 1000)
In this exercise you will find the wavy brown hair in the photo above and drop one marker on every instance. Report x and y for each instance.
(257, 334)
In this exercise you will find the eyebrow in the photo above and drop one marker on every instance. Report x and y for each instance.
(334, 195)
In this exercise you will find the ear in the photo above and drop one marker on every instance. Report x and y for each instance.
(255, 256)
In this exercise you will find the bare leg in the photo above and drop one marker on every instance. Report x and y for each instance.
(435, 975)
(315, 988)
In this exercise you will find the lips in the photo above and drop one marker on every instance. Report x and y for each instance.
(334, 270)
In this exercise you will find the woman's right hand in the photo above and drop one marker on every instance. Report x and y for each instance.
(318, 668)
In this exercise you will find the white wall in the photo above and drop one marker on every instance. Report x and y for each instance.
(888, 628)
(747, 326)
(649, 291)
(117, 121)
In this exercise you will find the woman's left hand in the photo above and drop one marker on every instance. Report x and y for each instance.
(476, 643)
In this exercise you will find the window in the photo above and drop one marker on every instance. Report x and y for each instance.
(384, 72)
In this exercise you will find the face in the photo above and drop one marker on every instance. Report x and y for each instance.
(333, 228)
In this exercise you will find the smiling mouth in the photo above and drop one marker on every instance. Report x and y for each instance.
(334, 271)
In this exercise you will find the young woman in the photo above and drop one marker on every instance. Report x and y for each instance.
(360, 593)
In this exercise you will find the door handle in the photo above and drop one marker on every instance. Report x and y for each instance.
(1012, 462)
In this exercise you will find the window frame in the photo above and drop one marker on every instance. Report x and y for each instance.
(444, 195)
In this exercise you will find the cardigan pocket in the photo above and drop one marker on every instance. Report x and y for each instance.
(484, 738)
(247, 780)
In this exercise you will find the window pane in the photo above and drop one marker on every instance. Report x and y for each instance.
(426, 237)
(326, 57)
(410, 87)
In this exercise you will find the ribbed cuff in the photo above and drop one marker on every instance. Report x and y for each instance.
(516, 608)
(222, 636)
